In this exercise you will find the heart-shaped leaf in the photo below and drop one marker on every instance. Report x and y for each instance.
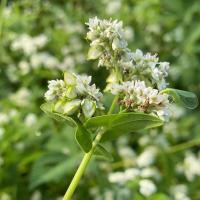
(119, 124)
(187, 99)
(101, 152)
(48, 109)
(83, 137)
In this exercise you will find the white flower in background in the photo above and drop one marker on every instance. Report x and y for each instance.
(36, 196)
(4, 118)
(176, 111)
(144, 140)
(20, 146)
(43, 59)
(150, 172)
(109, 195)
(68, 63)
(24, 67)
(126, 152)
(13, 113)
(147, 157)
(134, 95)
(40, 41)
(113, 7)
(27, 44)
(147, 187)
(5, 196)
(117, 177)
(123, 177)
(21, 97)
(30, 119)
(179, 192)
(191, 166)
(129, 33)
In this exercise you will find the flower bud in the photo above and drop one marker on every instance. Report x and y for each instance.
(118, 44)
(71, 92)
(112, 78)
(59, 106)
(88, 107)
(91, 35)
(71, 107)
(69, 78)
(94, 52)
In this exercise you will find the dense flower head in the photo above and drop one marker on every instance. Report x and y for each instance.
(107, 41)
(108, 44)
(137, 77)
(73, 93)
(136, 96)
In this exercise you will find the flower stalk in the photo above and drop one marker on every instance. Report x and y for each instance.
(82, 167)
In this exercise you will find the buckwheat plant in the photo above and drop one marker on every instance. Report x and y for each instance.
(137, 81)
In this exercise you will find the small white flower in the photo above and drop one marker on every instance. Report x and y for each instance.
(30, 119)
(5, 196)
(27, 44)
(21, 97)
(24, 67)
(147, 187)
(179, 192)
(136, 96)
(36, 195)
(191, 166)
(56, 89)
(147, 157)
(4, 118)
(113, 6)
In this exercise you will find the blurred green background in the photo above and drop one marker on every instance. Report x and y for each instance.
(38, 156)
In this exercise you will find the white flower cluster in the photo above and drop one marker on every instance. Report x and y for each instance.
(148, 67)
(190, 166)
(29, 44)
(147, 187)
(139, 77)
(108, 44)
(136, 96)
(73, 93)
(107, 41)
(179, 192)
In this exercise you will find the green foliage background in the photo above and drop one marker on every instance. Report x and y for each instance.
(38, 160)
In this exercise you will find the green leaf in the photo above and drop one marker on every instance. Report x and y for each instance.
(187, 99)
(48, 109)
(101, 152)
(83, 137)
(119, 124)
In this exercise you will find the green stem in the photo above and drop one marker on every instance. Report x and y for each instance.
(184, 146)
(84, 163)
(87, 157)
(112, 107)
